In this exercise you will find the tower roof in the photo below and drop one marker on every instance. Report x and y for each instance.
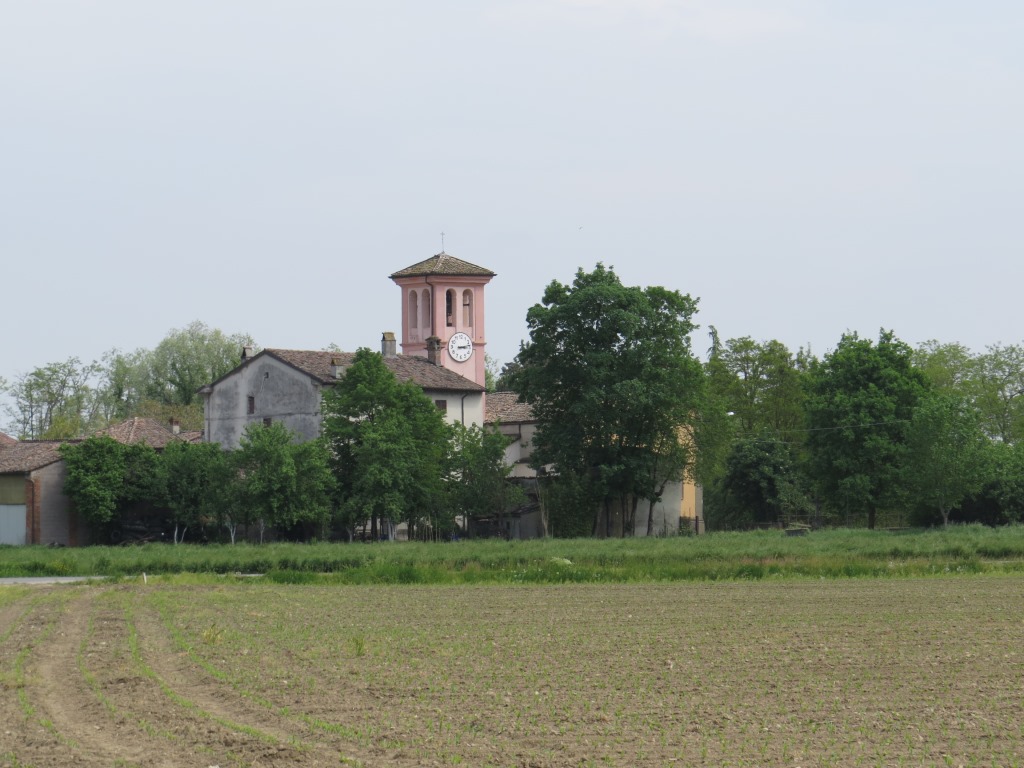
(443, 264)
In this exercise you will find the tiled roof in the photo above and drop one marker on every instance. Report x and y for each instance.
(443, 264)
(138, 430)
(28, 455)
(504, 407)
(419, 370)
(6, 439)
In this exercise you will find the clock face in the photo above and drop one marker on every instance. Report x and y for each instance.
(460, 347)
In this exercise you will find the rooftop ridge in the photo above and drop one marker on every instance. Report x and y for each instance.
(443, 263)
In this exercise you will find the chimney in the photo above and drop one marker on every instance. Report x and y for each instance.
(246, 352)
(433, 349)
(175, 427)
(337, 367)
(388, 345)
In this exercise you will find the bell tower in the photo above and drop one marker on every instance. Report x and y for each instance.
(443, 299)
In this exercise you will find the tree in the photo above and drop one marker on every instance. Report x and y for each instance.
(490, 373)
(992, 382)
(71, 398)
(997, 389)
(948, 453)
(54, 401)
(188, 358)
(762, 480)
(282, 483)
(1000, 501)
(95, 477)
(761, 384)
(192, 475)
(123, 380)
(671, 461)
(861, 397)
(104, 476)
(480, 487)
(388, 445)
(314, 485)
(948, 367)
(503, 382)
(611, 378)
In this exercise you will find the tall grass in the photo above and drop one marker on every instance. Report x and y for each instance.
(751, 555)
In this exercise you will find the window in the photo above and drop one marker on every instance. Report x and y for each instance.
(414, 309)
(267, 421)
(250, 406)
(425, 308)
(442, 405)
(467, 308)
(449, 307)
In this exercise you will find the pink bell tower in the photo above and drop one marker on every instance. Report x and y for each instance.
(443, 313)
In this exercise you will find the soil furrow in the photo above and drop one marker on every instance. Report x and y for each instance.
(101, 733)
(254, 732)
(26, 736)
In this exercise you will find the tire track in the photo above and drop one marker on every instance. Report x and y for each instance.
(321, 741)
(27, 737)
(254, 733)
(99, 736)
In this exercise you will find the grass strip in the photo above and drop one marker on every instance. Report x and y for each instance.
(755, 555)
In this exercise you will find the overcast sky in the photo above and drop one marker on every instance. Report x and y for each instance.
(803, 167)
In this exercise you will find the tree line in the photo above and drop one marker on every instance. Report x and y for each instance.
(874, 432)
(386, 457)
(70, 398)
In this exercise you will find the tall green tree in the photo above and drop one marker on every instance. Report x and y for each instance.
(861, 398)
(54, 401)
(283, 483)
(189, 357)
(95, 477)
(389, 448)
(479, 483)
(948, 457)
(999, 391)
(949, 367)
(123, 381)
(761, 384)
(1000, 501)
(503, 381)
(610, 375)
(192, 476)
(992, 382)
(104, 476)
(762, 481)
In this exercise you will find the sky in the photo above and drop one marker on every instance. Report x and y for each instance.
(804, 168)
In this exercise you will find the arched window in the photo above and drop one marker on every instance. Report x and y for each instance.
(449, 307)
(467, 308)
(425, 308)
(414, 309)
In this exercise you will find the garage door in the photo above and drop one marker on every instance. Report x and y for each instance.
(12, 524)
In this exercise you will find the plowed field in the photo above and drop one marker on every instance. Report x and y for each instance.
(844, 673)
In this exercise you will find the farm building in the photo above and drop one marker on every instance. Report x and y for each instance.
(33, 507)
(681, 506)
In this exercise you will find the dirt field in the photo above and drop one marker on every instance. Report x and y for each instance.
(844, 673)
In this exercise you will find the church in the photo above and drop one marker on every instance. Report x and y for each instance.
(442, 351)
